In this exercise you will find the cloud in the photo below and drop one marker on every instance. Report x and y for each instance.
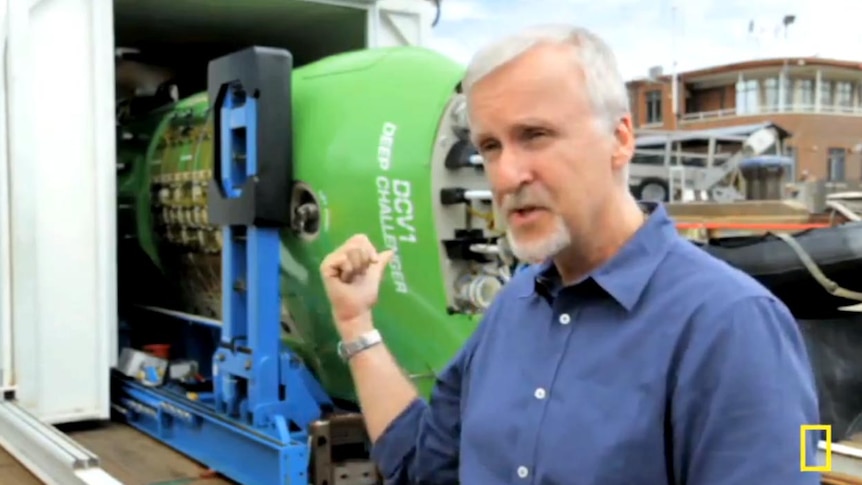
(707, 32)
(460, 11)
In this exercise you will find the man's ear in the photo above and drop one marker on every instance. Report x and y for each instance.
(624, 134)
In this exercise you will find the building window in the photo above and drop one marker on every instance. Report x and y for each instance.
(837, 160)
(826, 93)
(653, 106)
(844, 94)
(747, 97)
(806, 94)
(787, 87)
(770, 87)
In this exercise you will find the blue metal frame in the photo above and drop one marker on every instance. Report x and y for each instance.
(253, 427)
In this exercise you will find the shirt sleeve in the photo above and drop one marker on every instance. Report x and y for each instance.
(744, 389)
(422, 444)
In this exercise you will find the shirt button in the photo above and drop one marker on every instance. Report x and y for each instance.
(565, 319)
(540, 393)
(523, 472)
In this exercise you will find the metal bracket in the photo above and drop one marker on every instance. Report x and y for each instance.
(336, 432)
(250, 97)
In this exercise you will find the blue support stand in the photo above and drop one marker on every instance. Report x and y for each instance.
(254, 426)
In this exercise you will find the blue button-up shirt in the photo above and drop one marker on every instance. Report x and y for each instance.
(664, 366)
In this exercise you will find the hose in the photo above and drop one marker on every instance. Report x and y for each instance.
(486, 216)
(830, 286)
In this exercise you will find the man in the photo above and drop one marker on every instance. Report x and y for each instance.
(625, 356)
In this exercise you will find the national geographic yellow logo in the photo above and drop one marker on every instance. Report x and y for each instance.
(827, 462)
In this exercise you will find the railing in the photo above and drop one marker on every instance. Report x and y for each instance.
(767, 110)
(752, 226)
(709, 115)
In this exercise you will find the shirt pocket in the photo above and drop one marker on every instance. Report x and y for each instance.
(604, 433)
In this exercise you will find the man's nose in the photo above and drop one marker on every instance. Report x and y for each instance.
(512, 171)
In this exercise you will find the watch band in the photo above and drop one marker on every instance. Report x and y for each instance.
(346, 350)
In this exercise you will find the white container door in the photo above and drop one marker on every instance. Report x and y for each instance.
(58, 207)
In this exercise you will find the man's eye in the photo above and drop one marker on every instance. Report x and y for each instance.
(486, 147)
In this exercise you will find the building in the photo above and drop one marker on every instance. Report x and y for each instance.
(818, 100)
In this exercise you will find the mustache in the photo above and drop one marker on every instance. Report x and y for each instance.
(526, 197)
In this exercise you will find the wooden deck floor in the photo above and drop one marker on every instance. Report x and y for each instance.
(13, 473)
(130, 456)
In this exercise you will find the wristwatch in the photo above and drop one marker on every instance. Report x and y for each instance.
(369, 339)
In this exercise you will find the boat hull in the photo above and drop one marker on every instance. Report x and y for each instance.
(837, 251)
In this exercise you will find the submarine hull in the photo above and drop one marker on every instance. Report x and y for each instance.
(375, 133)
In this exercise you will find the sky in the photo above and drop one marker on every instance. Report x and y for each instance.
(643, 33)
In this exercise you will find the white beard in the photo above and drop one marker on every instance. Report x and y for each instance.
(540, 250)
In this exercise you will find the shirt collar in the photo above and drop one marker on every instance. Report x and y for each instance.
(625, 276)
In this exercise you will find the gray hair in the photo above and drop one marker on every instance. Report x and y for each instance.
(605, 85)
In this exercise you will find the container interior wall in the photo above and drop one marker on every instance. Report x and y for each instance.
(170, 42)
